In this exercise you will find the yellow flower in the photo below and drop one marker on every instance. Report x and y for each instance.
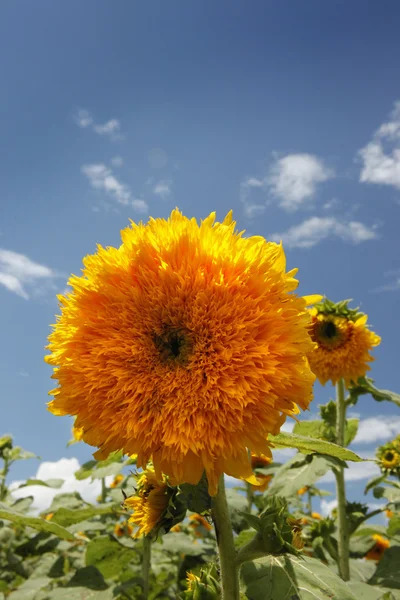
(316, 515)
(389, 513)
(191, 580)
(343, 345)
(49, 516)
(149, 504)
(176, 528)
(117, 480)
(259, 462)
(390, 459)
(302, 490)
(377, 551)
(199, 524)
(121, 529)
(77, 433)
(185, 345)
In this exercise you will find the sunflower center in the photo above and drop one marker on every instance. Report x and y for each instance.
(329, 330)
(173, 345)
(389, 456)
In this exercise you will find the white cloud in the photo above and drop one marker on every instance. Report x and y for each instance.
(84, 118)
(162, 189)
(393, 285)
(293, 179)
(381, 156)
(111, 128)
(17, 272)
(312, 231)
(355, 472)
(140, 205)
(251, 208)
(327, 506)
(102, 178)
(117, 161)
(376, 429)
(61, 469)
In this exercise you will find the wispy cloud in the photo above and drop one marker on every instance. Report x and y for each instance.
(162, 189)
(102, 178)
(391, 286)
(117, 161)
(381, 156)
(293, 179)
(312, 231)
(18, 273)
(355, 472)
(376, 429)
(111, 128)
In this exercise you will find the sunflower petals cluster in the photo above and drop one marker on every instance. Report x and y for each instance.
(388, 456)
(186, 346)
(377, 551)
(343, 340)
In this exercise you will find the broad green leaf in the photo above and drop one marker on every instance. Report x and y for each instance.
(310, 445)
(374, 482)
(371, 530)
(108, 556)
(196, 497)
(351, 430)
(361, 570)
(359, 546)
(89, 577)
(35, 522)
(289, 577)
(18, 453)
(29, 589)
(297, 473)
(388, 573)
(97, 469)
(22, 504)
(87, 526)
(365, 385)
(394, 526)
(67, 517)
(363, 591)
(79, 593)
(179, 542)
(244, 537)
(52, 483)
(317, 429)
(72, 501)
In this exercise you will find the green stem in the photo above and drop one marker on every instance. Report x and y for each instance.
(343, 532)
(226, 546)
(309, 502)
(103, 490)
(146, 566)
(3, 489)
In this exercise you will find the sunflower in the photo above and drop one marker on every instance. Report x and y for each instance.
(199, 524)
(390, 459)
(191, 581)
(376, 552)
(389, 513)
(185, 345)
(121, 529)
(343, 343)
(49, 516)
(316, 515)
(116, 481)
(149, 504)
(260, 462)
(302, 490)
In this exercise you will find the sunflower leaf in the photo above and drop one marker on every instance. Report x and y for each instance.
(35, 522)
(388, 574)
(365, 385)
(287, 576)
(108, 556)
(310, 445)
(197, 498)
(297, 473)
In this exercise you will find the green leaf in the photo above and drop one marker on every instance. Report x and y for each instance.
(359, 546)
(89, 577)
(310, 445)
(351, 430)
(29, 589)
(72, 500)
(108, 556)
(297, 473)
(179, 542)
(34, 522)
(361, 570)
(313, 429)
(97, 469)
(18, 453)
(52, 483)
(374, 482)
(87, 526)
(365, 385)
(79, 593)
(288, 577)
(394, 526)
(196, 497)
(237, 503)
(363, 591)
(371, 530)
(388, 573)
(22, 504)
(67, 517)
(244, 537)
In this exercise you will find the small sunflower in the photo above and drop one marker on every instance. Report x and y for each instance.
(389, 458)
(185, 345)
(343, 342)
(49, 516)
(316, 515)
(389, 513)
(116, 481)
(377, 551)
(302, 490)
(121, 529)
(199, 524)
(149, 504)
(260, 461)
(191, 581)
(176, 528)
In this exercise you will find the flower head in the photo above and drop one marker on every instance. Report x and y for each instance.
(376, 552)
(302, 490)
(343, 342)
(199, 524)
(316, 515)
(389, 513)
(185, 345)
(149, 504)
(116, 481)
(121, 529)
(389, 458)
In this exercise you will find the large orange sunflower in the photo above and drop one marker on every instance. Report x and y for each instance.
(343, 342)
(185, 345)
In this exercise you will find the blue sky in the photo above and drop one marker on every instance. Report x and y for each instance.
(283, 111)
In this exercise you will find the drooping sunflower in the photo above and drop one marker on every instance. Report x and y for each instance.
(116, 481)
(377, 551)
(185, 345)
(199, 524)
(149, 503)
(260, 462)
(343, 342)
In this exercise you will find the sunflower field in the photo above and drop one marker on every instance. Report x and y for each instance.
(180, 355)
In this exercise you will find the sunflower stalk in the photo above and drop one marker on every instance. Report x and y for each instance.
(103, 490)
(146, 566)
(249, 494)
(3, 489)
(343, 532)
(226, 547)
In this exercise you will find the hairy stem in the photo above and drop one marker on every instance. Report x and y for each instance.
(3, 489)
(343, 531)
(146, 566)
(103, 490)
(226, 546)
(249, 494)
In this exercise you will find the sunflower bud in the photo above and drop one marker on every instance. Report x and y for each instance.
(5, 445)
(203, 587)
